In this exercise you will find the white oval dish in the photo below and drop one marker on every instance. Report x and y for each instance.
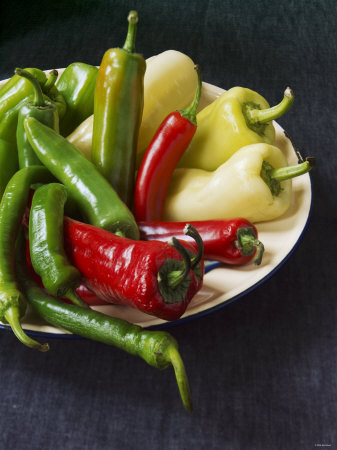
(222, 284)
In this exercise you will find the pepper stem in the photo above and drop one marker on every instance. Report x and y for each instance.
(181, 377)
(254, 115)
(12, 316)
(272, 177)
(76, 299)
(129, 45)
(189, 230)
(38, 99)
(53, 74)
(190, 112)
(175, 277)
(247, 243)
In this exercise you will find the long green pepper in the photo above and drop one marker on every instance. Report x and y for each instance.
(118, 109)
(159, 349)
(8, 163)
(97, 200)
(46, 243)
(12, 207)
(42, 110)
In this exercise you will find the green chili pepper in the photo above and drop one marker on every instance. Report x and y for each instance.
(118, 108)
(158, 348)
(46, 243)
(77, 86)
(12, 207)
(16, 93)
(53, 93)
(39, 108)
(98, 201)
(8, 164)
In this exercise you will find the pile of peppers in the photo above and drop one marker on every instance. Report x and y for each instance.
(129, 223)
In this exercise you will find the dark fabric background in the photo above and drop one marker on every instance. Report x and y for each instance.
(262, 369)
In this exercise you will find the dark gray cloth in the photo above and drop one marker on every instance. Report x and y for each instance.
(262, 369)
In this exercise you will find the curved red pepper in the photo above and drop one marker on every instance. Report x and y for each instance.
(161, 158)
(125, 271)
(231, 241)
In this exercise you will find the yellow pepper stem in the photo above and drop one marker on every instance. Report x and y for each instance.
(255, 115)
(272, 177)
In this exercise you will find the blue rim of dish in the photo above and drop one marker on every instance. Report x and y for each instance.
(210, 266)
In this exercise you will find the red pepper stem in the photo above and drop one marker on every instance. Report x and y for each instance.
(190, 112)
(129, 45)
(247, 243)
(53, 74)
(12, 316)
(38, 99)
(181, 377)
(75, 298)
(177, 276)
(189, 230)
(255, 115)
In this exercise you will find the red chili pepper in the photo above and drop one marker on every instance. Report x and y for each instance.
(158, 278)
(161, 158)
(228, 241)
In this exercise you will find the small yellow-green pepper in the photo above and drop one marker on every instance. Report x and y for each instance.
(238, 117)
(255, 183)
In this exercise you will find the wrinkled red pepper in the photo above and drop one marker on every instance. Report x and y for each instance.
(232, 241)
(158, 278)
(161, 158)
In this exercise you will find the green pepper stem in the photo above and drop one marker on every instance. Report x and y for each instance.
(38, 99)
(53, 74)
(75, 299)
(273, 177)
(129, 45)
(285, 173)
(177, 276)
(12, 316)
(189, 230)
(255, 115)
(190, 112)
(247, 243)
(181, 377)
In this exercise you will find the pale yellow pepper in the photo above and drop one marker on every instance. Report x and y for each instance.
(238, 117)
(169, 85)
(247, 185)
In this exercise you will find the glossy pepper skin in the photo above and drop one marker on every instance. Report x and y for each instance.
(232, 241)
(18, 91)
(97, 200)
(237, 118)
(118, 108)
(158, 348)
(8, 164)
(39, 108)
(12, 207)
(77, 86)
(161, 157)
(46, 243)
(150, 276)
(254, 183)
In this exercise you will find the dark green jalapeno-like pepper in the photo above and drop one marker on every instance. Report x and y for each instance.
(77, 86)
(46, 243)
(12, 207)
(158, 348)
(39, 108)
(118, 109)
(8, 163)
(95, 197)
